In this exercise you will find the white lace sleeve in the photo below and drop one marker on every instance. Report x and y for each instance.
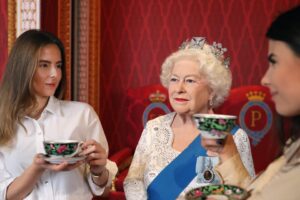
(134, 185)
(243, 145)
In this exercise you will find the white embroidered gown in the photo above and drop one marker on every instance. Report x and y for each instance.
(154, 152)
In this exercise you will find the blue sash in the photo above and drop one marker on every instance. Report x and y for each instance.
(172, 180)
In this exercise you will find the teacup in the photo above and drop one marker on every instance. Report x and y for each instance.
(214, 126)
(62, 148)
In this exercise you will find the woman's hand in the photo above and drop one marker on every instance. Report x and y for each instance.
(96, 156)
(24, 184)
(41, 164)
(223, 148)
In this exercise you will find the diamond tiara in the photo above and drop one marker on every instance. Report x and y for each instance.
(216, 48)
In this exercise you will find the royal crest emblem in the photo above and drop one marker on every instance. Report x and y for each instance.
(258, 115)
(156, 108)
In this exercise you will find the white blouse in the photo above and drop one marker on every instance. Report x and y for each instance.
(59, 120)
(154, 152)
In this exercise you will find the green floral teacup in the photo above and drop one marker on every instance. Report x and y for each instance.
(62, 148)
(214, 126)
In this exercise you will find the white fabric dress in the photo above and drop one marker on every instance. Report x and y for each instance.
(154, 152)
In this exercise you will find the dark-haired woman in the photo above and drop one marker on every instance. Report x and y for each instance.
(281, 179)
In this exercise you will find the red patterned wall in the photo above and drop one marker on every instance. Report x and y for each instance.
(3, 35)
(136, 36)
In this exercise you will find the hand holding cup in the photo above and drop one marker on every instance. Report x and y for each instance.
(96, 155)
(214, 130)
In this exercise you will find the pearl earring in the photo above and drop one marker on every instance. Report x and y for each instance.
(211, 103)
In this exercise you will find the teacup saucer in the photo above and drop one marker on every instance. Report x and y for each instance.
(70, 160)
(217, 192)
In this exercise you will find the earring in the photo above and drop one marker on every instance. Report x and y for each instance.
(210, 103)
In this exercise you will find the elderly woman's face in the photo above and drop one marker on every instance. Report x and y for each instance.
(283, 78)
(188, 90)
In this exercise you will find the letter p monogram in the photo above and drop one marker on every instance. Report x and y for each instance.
(255, 116)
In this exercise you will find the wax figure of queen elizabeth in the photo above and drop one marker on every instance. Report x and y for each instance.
(169, 160)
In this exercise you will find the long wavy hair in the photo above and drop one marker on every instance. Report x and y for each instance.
(286, 28)
(16, 92)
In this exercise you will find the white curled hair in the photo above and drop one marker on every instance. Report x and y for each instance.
(217, 75)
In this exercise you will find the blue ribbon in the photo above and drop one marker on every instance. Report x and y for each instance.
(172, 180)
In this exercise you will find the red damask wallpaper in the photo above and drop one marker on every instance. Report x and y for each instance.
(136, 36)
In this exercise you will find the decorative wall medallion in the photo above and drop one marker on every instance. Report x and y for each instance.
(259, 115)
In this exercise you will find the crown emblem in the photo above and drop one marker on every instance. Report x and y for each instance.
(256, 96)
(157, 97)
(216, 48)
